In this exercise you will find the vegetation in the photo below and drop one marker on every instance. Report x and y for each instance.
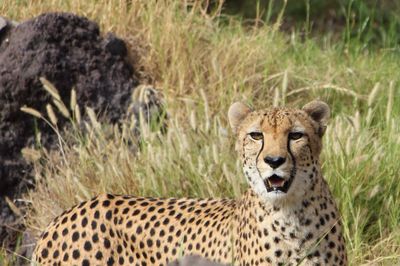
(203, 60)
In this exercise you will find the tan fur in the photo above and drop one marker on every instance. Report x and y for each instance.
(261, 228)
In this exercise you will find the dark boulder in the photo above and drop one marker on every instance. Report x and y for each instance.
(69, 51)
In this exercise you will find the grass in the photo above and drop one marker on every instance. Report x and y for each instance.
(202, 65)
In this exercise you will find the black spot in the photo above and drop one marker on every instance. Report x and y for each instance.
(135, 212)
(158, 255)
(99, 255)
(85, 263)
(112, 234)
(75, 236)
(84, 222)
(129, 224)
(83, 211)
(109, 215)
(119, 249)
(289, 253)
(107, 243)
(333, 230)
(73, 217)
(76, 254)
(110, 261)
(55, 236)
(96, 214)
(65, 232)
(171, 228)
(309, 236)
(144, 204)
(146, 225)
(94, 204)
(125, 211)
(278, 253)
(139, 230)
(95, 238)
(66, 256)
(87, 246)
(121, 260)
(110, 196)
(56, 254)
(149, 243)
(103, 228)
(45, 253)
(307, 222)
(106, 203)
(94, 225)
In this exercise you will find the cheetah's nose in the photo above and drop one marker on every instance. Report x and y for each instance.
(274, 162)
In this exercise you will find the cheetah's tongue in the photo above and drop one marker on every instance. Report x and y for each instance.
(275, 181)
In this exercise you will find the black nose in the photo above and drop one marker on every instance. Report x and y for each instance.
(274, 162)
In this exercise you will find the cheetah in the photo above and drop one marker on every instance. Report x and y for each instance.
(286, 217)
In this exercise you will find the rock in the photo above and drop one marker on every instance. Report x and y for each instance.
(5, 27)
(114, 45)
(69, 51)
(3, 24)
(194, 260)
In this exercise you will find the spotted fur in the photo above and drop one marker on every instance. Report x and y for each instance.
(266, 226)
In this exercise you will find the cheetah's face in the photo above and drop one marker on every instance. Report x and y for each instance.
(279, 147)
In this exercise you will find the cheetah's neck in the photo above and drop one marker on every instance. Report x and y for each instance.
(294, 228)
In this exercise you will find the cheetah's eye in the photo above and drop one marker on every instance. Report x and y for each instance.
(256, 135)
(295, 135)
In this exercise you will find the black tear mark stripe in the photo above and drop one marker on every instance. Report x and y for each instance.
(293, 171)
(261, 149)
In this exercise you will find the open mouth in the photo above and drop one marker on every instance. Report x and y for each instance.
(277, 183)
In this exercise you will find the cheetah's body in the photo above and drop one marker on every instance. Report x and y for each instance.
(287, 217)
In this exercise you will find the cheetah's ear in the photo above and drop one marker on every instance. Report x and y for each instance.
(320, 113)
(237, 112)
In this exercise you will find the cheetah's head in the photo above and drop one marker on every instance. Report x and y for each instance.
(280, 147)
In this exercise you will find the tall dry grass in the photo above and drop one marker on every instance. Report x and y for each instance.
(203, 62)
